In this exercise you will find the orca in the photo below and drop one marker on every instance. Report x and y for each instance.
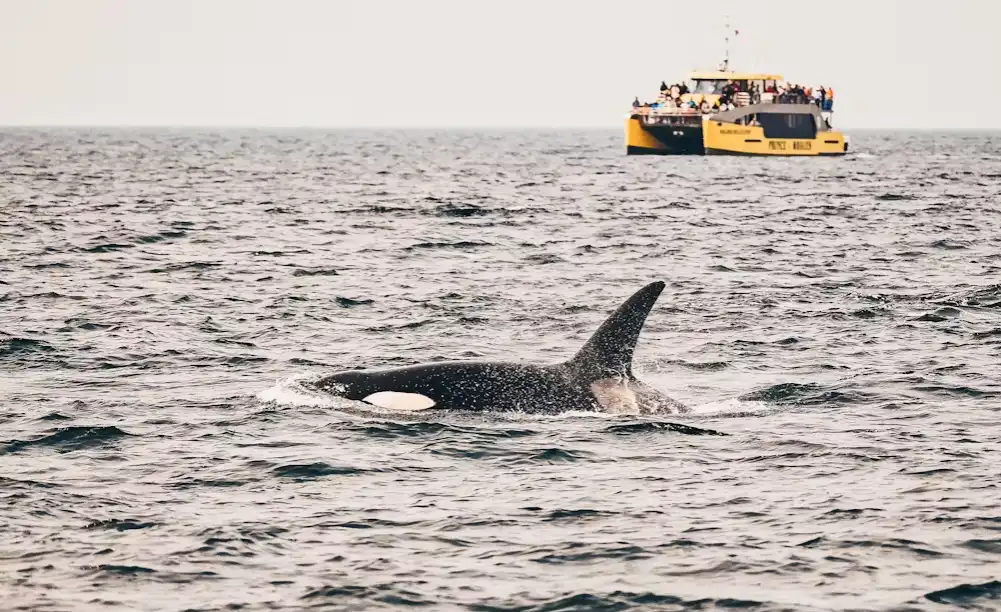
(598, 378)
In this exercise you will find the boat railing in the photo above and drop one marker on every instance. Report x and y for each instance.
(674, 117)
(650, 111)
(656, 114)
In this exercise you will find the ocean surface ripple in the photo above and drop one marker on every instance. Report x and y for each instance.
(165, 294)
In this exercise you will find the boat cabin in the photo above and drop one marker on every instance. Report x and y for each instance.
(778, 120)
(709, 85)
(772, 129)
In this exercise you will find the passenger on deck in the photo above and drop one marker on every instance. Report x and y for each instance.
(636, 102)
(663, 86)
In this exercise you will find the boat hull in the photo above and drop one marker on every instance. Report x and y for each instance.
(729, 139)
(663, 139)
(794, 130)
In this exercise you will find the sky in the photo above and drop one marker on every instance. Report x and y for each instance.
(478, 63)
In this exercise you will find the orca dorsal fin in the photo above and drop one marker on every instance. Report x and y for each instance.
(609, 352)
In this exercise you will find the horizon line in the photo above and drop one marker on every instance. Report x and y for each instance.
(235, 126)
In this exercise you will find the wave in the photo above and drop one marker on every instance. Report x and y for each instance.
(386, 594)
(16, 346)
(308, 471)
(161, 236)
(69, 438)
(734, 407)
(108, 248)
(419, 429)
(804, 394)
(187, 265)
(450, 209)
(126, 570)
(982, 297)
(128, 524)
(965, 595)
(291, 391)
(462, 245)
(617, 600)
(299, 272)
(658, 426)
(345, 302)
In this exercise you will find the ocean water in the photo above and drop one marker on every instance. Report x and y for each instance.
(166, 296)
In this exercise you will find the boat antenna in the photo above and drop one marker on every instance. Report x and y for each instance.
(726, 46)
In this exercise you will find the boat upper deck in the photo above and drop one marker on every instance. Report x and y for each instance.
(710, 93)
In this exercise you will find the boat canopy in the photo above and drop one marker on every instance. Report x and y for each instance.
(733, 76)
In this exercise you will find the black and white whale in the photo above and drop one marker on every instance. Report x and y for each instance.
(599, 377)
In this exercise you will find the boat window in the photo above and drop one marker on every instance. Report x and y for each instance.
(788, 125)
(709, 86)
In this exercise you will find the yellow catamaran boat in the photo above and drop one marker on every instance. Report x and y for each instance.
(735, 113)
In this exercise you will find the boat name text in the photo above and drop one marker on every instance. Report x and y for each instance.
(798, 145)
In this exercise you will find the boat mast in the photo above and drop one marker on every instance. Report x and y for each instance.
(726, 45)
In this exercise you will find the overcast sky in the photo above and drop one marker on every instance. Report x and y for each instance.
(431, 63)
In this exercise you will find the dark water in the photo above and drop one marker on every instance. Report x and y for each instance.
(165, 295)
